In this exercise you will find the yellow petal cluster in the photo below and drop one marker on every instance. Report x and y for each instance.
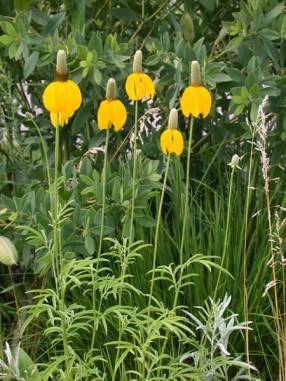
(196, 101)
(172, 141)
(62, 99)
(111, 113)
(8, 252)
(139, 85)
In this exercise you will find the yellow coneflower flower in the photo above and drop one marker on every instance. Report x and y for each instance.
(171, 139)
(139, 85)
(62, 97)
(112, 111)
(196, 99)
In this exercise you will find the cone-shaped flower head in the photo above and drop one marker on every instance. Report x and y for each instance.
(171, 139)
(112, 111)
(139, 85)
(8, 252)
(61, 97)
(196, 99)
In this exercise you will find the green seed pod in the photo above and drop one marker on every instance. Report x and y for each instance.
(187, 26)
(173, 119)
(8, 252)
(111, 89)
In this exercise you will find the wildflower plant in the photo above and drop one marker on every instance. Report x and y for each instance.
(110, 231)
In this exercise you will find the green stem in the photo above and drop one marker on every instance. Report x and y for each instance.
(103, 193)
(14, 291)
(134, 174)
(100, 238)
(186, 210)
(226, 237)
(56, 211)
(157, 231)
(245, 289)
(57, 247)
(120, 329)
(44, 148)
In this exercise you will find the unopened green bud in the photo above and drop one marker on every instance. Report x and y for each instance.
(8, 252)
(195, 74)
(137, 62)
(187, 26)
(234, 162)
(111, 89)
(173, 119)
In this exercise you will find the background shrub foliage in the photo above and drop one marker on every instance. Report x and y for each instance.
(242, 50)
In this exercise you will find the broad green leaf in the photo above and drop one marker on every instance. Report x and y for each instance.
(31, 64)
(6, 39)
(97, 76)
(275, 12)
(89, 244)
(22, 5)
(124, 14)
(8, 28)
(53, 23)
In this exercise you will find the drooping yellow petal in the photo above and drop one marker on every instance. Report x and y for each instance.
(166, 141)
(171, 141)
(103, 115)
(62, 97)
(118, 114)
(138, 86)
(59, 118)
(196, 100)
(49, 97)
(131, 86)
(73, 95)
(163, 142)
(148, 87)
(177, 142)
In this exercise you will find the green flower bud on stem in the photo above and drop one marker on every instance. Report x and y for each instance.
(195, 74)
(234, 162)
(8, 252)
(173, 119)
(137, 62)
(187, 26)
(111, 89)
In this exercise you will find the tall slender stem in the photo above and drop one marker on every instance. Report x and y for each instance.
(14, 291)
(134, 174)
(186, 210)
(157, 231)
(274, 276)
(58, 266)
(44, 148)
(103, 192)
(56, 252)
(226, 236)
(245, 289)
(100, 238)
